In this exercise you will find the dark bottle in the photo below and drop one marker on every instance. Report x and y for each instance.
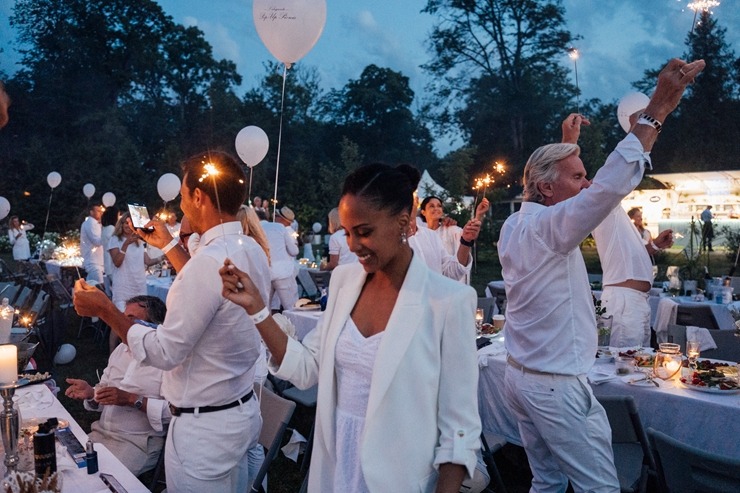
(91, 457)
(44, 450)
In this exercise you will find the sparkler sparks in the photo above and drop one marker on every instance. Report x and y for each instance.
(701, 6)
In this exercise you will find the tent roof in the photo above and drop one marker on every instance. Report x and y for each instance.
(427, 186)
(702, 180)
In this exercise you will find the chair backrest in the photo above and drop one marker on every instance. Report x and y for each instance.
(682, 467)
(677, 335)
(23, 298)
(627, 428)
(10, 291)
(697, 315)
(735, 283)
(728, 346)
(276, 413)
(487, 305)
(320, 278)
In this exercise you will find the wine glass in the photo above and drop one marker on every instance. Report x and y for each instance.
(478, 320)
(692, 352)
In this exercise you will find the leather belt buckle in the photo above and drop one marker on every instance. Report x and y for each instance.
(174, 410)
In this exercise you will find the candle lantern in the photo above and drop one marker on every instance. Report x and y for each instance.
(9, 422)
(668, 361)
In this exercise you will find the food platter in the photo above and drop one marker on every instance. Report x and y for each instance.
(33, 378)
(307, 308)
(710, 390)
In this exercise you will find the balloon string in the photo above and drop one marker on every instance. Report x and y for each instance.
(251, 169)
(48, 209)
(280, 139)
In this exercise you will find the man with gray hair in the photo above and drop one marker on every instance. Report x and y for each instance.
(551, 326)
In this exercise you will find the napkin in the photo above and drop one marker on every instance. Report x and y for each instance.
(295, 446)
(597, 377)
(496, 348)
(667, 311)
(706, 341)
(37, 398)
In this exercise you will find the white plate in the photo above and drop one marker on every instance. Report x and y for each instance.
(308, 308)
(636, 380)
(604, 357)
(709, 390)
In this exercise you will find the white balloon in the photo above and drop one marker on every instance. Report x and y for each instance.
(168, 186)
(289, 28)
(88, 190)
(251, 145)
(65, 354)
(53, 179)
(4, 207)
(629, 105)
(317, 227)
(109, 199)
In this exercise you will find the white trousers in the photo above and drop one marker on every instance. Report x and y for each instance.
(208, 451)
(94, 273)
(564, 430)
(631, 312)
(286, 291)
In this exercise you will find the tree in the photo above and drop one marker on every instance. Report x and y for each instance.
(497, 72)
(374, 111)
(704, 133)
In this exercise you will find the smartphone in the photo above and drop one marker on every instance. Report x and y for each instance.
(139, 216)
(112, 483)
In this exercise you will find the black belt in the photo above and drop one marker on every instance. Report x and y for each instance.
(176, 411)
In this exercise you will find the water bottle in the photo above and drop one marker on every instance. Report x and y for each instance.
(324, 296)
(6, 321)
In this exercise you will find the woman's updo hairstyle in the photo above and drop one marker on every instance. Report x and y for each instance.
(384, 187)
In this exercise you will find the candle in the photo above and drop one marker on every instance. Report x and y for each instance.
(672, 368)
(8, 363)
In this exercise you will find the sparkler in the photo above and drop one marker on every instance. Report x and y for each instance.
(574, 54)
(701, 5)
(210, 169)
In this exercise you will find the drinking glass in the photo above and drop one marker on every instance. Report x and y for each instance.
(692, 352)
(478, 320)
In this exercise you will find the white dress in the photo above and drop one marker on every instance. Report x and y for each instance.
(354, 361)
(129, 279)
(21, 246)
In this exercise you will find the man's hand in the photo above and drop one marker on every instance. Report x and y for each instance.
(447, 221)
(89, 301)
(571, 127)
(672, 82)
(79, 389)
(159, 238)
(664, 239)
(113, 396)
(239, 288)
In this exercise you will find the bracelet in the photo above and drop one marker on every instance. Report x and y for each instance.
(169, 246)
(645, 119)
(122, 251)
(260, 316)
(467, 243)
(655, 247)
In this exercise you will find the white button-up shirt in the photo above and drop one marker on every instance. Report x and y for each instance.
(283, 249)
(427, 245)
(621, 250)
(127, 374)
(207, 344)
(550, 321)
(91, 242)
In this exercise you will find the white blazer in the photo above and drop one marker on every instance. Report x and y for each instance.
(423, 404)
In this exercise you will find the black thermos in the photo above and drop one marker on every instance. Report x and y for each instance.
(44, 450)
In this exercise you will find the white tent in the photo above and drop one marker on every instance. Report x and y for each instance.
(427, 186)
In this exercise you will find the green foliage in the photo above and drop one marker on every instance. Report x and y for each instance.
(498, 73)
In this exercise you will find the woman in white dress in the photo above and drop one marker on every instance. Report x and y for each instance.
(18, 238)
(394, 354)
(130, 260)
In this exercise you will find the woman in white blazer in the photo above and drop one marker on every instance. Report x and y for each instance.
(396, 338)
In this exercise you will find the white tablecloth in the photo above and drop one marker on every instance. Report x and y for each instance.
(75, 480)
(158, 286)
(304, 320)
(706, 421)
(720, 311)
